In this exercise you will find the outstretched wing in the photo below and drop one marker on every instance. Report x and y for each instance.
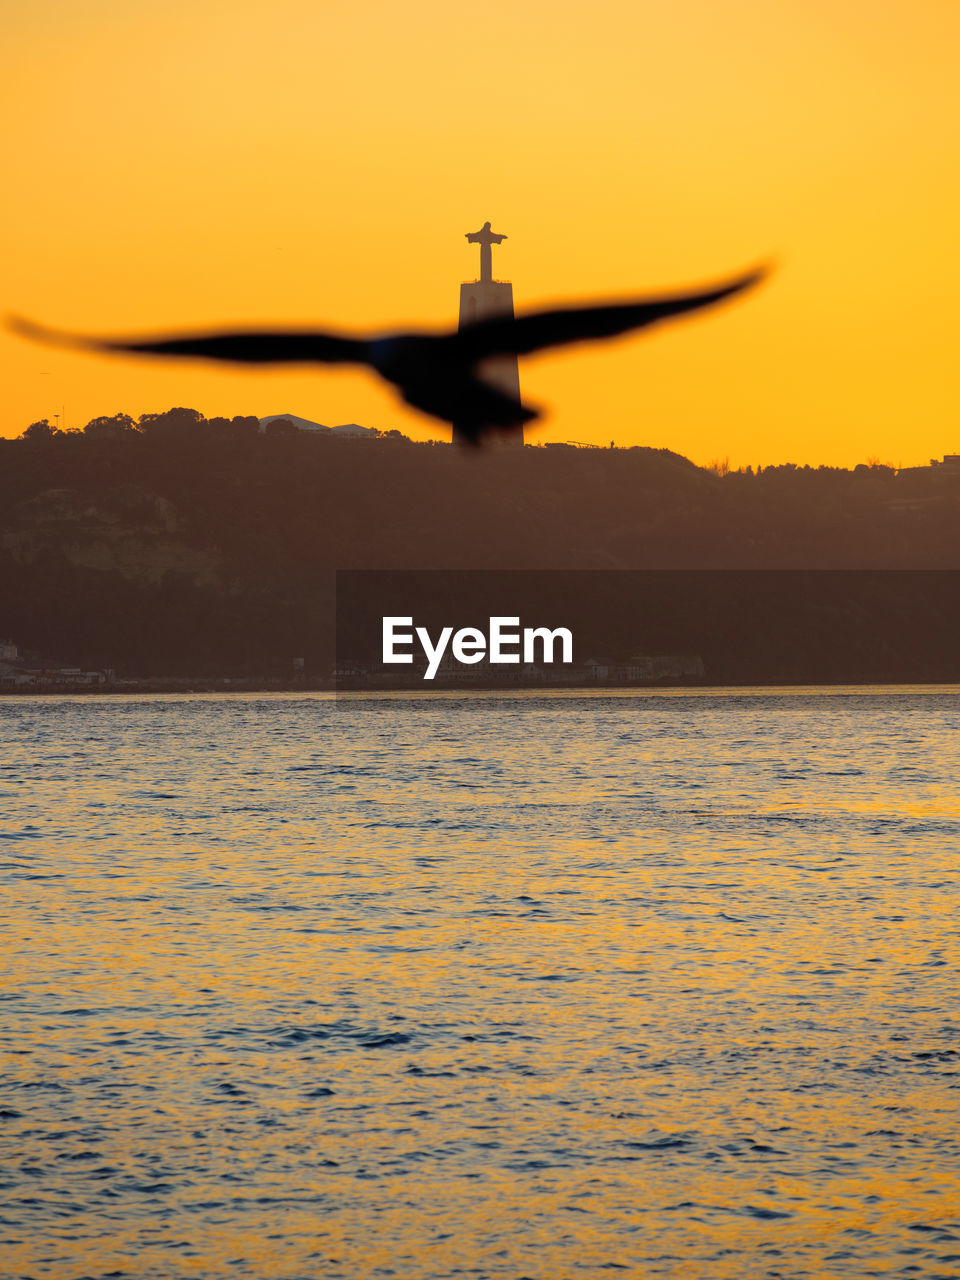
(241, 347)
(580, 324)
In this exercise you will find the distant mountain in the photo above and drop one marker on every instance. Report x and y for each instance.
(304, 424)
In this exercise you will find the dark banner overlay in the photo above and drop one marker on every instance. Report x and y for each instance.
(444, 629)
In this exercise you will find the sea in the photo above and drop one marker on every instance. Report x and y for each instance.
(522, 986)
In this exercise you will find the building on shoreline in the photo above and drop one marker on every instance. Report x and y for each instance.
(27, 669)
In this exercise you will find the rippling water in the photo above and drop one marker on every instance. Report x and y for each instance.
(481, 987)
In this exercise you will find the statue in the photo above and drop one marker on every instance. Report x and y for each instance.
(485, 238)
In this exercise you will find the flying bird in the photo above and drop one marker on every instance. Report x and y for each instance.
(438, 374)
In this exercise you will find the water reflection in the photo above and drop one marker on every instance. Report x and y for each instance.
(486, 986)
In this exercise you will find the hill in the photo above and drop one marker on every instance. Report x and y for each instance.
(180, 544)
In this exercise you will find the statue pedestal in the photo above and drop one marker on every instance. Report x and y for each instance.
(482, 300)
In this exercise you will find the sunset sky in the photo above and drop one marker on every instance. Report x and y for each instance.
(198, 162)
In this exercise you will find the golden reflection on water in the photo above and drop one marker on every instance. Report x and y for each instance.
(318, 989)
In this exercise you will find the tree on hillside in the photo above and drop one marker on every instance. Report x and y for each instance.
(41, 430)
(234, 428)
(109, 428)
(174, 424)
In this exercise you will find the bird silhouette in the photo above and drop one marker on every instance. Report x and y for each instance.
(435, 373)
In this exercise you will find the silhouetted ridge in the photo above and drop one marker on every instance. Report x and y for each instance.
(179, 543)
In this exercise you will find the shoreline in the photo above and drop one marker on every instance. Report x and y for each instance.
(207, 687)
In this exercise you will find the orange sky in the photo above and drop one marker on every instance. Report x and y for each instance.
(200, 162)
